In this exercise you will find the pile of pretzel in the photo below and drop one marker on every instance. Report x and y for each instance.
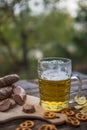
(29, 124)
(72, 117)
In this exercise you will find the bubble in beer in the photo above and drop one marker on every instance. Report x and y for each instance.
(54, 84)
(54, 75)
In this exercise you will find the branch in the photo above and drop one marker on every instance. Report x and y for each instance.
(5, 42)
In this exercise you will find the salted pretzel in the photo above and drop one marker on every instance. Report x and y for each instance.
(27, 123)
(49, 114)
(73, 121)
(67, 111)
(47, 127)
(81, 117)
(23, 128)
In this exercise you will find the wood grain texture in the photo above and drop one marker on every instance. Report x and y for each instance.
(17, 113)
(31, 88)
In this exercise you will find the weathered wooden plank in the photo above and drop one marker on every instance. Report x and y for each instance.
(33, 89)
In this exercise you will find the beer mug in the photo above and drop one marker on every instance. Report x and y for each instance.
(54, 75)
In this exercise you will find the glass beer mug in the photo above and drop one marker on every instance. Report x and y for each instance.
(54, 75)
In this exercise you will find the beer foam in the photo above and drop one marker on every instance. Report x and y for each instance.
(54, 75)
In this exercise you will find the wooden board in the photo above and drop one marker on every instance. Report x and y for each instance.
(17, 113)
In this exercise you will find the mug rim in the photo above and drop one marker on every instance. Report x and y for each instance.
(66, 60)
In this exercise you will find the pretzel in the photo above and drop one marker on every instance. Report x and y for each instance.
(67, 111)
(73, 121)
(49, 115)
(47, 127)
(81, 117)
(27, 123)
(23, 128)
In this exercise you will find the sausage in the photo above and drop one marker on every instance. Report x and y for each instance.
(8, 80)
(19, 95)
(13, 103)
(7, 104)
(5, 92)
(27, 108)
(4, 105)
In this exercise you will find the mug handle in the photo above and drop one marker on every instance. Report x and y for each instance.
(76, 77)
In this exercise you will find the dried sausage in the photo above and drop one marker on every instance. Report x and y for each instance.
(8, 80)
(5, 92)
(19, 95)
(6, 104)
(27, 108)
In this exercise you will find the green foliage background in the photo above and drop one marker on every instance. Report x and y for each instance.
(52, 32)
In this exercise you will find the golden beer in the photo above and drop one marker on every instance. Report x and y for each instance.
(54, 94)
(54, 76)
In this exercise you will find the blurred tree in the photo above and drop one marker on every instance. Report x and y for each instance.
(20, 31)
(80, 38)
(54, 31)
(13, 30)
